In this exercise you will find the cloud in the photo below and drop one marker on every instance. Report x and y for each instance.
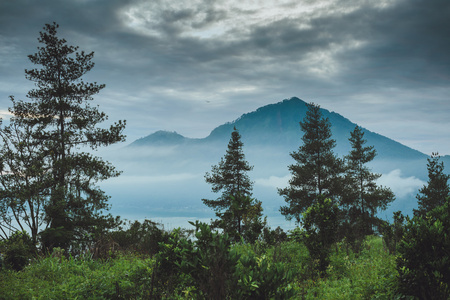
(205, 62)
(143, 180)
(401, 186)
(274, 181)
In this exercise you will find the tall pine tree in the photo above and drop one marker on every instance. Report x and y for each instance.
(316, 171)
(362, 197)
(239, 214)
(64, 120)
(437, 191)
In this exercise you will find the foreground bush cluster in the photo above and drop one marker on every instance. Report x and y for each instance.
(206, 266)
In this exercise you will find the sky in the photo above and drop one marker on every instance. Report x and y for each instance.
(190, 66)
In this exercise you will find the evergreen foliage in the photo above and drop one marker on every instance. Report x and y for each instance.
(361, 198)
(320, 222)
(437, 190)
(423, 263)
(61, 118)
(317, 168)
(239, 214)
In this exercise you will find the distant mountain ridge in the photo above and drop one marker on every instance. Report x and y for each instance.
(277, 125)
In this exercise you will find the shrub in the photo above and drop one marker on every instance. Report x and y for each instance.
(320, 222)
(424, 256)
(393, 233)
(274, 236)
(259, 277)
(210, 263)
(140, 237)
(19, 249)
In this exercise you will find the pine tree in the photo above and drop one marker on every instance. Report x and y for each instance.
(317, 168)
(237, 211)
(362, 198)
(437, 191)
(64, 122)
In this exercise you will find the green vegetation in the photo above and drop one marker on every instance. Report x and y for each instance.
(208, 268)
(56, 243)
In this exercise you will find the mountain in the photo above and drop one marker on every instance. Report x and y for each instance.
(164, 171)
(277, 126)
(160, 138)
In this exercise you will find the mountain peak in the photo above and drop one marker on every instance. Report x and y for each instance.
(161, 137)
(277, 125)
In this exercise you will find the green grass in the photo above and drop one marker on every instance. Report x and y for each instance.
(124, 277)
(369, 275)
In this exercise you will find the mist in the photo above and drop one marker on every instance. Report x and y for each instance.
(166, 183)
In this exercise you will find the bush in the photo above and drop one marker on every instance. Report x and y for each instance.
(140, 237)
(424, 256)
(393, 233)
(370, 274)
(260, 277)
(210, 263)
(320, 222)
(19, 249)
(274, 236)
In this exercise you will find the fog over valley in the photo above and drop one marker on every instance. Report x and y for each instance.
(163, 173)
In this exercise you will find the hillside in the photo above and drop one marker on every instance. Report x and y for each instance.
(276, 126)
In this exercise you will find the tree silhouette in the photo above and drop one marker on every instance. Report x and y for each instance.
(362, 197)
(317, 168)
(437, 190)
(238, 213)
(64, 122)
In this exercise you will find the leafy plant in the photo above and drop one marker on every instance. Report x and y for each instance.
(19, 249)
(424, 255)
(320, 222)
(259, 277)
(210, 262)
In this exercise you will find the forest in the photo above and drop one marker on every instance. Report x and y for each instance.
(58, 241)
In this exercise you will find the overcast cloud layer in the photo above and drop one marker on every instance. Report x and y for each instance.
(189, 66)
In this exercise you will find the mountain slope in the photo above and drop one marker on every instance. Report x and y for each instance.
(278, 125)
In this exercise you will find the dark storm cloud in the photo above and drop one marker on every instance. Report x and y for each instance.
(164, 61)
(407, 43)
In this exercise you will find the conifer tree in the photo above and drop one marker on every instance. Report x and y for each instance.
(237, 211)
(362, 197)
(63, 122)
(316, 171)
(437, 191)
